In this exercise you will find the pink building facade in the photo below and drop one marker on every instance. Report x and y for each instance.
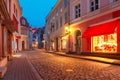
(8, 25)
(16, 14)
(94, 26)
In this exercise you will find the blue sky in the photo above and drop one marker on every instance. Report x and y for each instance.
(35, 11)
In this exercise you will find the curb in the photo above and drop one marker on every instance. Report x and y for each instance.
(79, 57)
(34, 70)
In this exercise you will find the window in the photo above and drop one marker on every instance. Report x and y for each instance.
(16, 13)
(77, 11)
(60, 21)
(66, 17)
(56, 24)
(34, 36)
(23, 22)
(52, 27)
(94, 5)
(115, 0)
(6, 2)
(65, 3)
(10, 7)
(14, 8)
(105, 43)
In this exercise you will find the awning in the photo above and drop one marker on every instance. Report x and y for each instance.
(18, 37)
(116, 14)
(101, 29)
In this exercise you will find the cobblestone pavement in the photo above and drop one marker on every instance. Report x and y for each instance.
(55, 67)
(20, 69)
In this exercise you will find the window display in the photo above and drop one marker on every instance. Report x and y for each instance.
(105, 43)
(64, 44)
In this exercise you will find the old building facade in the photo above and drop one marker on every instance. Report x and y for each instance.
(35, 38)
(16, 14)
(8, 25)
(24, 33)
(56, 22)
(93, 26)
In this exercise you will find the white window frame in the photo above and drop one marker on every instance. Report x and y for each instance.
(94, 5)
(79, 12)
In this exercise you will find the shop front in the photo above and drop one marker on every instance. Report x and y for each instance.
(105, 43)
(104, 37)
(64, 43)
(52, 47)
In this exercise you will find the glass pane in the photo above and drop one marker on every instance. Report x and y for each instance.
(96, 1)
(76, 16)
(92, 3)
(92, 8)
(96, 7)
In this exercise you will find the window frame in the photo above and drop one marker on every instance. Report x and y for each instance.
(94, 5)
(61, 21)
(77, 10)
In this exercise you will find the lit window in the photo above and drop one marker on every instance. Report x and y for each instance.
(64, 43)
(94, 5)
(105, 43)
(77, 11)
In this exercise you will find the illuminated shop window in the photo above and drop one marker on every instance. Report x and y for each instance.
(64, 44)
(53, 45)
(105, 43)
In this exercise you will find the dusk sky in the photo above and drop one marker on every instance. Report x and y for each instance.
(35, 11)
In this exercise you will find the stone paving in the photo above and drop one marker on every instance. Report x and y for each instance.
(55, 67)
(20, 69)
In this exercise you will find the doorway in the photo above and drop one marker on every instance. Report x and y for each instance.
(78, 41)
(23, 45)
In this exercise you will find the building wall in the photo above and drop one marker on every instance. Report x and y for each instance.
(54, 16)
(35, 38)
(88, 18)
(17, 12)
(103, 14)
(6, 30)
(25, 37)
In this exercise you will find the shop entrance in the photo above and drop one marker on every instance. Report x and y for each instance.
(78, 41)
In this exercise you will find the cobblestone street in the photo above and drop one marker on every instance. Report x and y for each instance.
(55, 67)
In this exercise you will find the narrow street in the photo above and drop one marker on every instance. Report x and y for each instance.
(55, 67)
(60, 40)
(20, 69)
(38, 65)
